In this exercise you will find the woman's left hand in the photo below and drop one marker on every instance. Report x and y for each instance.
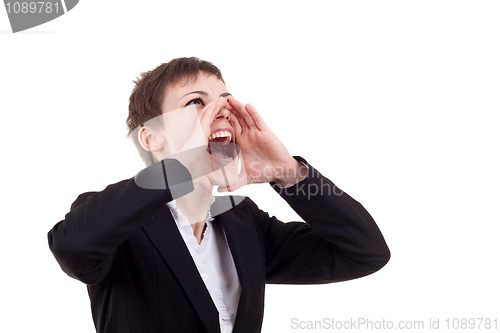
(264, 157)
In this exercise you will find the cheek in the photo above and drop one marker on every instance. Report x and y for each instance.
(179, 126)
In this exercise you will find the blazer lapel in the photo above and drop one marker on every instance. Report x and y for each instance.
(164, 234)
(244, 245)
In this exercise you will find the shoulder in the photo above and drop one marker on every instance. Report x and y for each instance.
(82, 198)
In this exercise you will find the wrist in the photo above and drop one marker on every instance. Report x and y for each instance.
(291, 174)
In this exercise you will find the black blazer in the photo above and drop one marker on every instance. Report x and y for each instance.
(124, 244)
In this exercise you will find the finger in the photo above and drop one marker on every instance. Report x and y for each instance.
(241, 112)
(213, 108)
(257, 119)
(233, 119)
(236, 125)
(229, 106)
(239, 119)
(243, 115)
(209, 112)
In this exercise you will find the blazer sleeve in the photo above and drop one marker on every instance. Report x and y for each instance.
(84, 242)
(339, 241)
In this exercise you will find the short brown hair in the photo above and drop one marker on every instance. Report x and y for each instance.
(149, 92)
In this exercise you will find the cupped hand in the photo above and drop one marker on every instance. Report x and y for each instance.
(187, 131)
(264, 157)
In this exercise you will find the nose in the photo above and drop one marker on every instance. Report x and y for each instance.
(223, 114)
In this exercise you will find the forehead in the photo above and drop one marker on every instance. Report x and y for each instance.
(208, 83)
(174, 94)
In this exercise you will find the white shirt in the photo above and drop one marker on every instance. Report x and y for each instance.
(215, 264)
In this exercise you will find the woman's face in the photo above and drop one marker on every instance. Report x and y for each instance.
(191, 97)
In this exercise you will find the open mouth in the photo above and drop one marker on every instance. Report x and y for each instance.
(221, 146)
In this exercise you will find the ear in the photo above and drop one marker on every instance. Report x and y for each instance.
(148, 140)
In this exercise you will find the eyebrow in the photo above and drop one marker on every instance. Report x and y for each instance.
(204, 93)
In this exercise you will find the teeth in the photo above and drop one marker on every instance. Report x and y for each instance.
(226, 159)
(221, 134)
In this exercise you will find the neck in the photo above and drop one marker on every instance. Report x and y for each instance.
(194, 206)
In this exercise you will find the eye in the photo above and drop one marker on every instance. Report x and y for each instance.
(195, 101)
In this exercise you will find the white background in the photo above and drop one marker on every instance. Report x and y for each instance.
(396, 102)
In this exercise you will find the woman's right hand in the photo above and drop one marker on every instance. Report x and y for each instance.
(186, 133)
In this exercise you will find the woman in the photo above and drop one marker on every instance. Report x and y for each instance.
(158, 252)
